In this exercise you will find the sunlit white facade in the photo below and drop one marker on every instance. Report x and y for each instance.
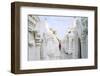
(75, 42)
(33, 50)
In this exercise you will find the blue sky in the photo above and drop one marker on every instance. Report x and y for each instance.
(58, 23)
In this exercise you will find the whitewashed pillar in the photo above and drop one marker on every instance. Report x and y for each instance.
(38, 42)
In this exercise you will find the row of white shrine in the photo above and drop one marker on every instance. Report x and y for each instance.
(44, 44)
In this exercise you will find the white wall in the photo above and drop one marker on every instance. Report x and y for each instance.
(5, 42)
